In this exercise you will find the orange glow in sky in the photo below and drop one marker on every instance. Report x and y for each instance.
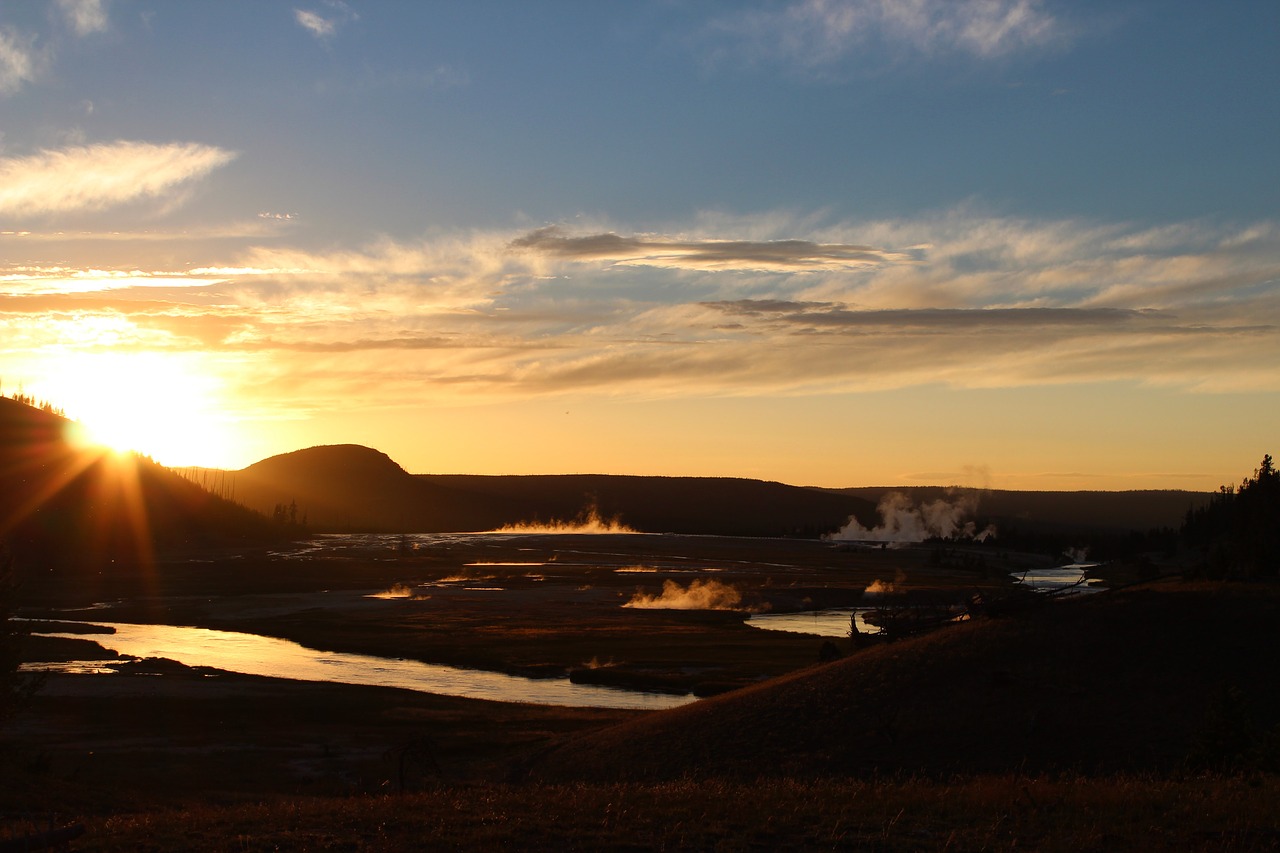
(823, 243)
(163, 406)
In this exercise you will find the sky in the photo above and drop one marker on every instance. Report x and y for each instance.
(999, 243)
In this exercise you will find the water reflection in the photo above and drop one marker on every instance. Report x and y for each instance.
(1073, 578)
(256, 655)
(820, 623)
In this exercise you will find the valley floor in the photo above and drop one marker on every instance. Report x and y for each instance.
(165, 757)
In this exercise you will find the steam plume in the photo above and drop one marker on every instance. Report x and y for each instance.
(700, 595)
(903, 522)
(588, 521)
(401, 590)
(879, 587)
(1077, 555)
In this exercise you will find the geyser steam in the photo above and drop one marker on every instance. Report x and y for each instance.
(901, 521)
(588, 521)
(700, 595)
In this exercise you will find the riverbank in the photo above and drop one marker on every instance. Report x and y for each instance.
(102, 744)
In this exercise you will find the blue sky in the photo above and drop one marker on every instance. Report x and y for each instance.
(838, 242)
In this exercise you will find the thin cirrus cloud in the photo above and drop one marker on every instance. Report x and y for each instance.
(967, 301)
(817, 34)
(84, 16)
(94, 177)
(325, 25)
(960, 299)
(19, 60)
(705, 254)
(20, 281)
(318, 26)
(816, 316)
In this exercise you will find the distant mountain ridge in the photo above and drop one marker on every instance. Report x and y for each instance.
(713, 505)
(350, 487)
(355, 488)
(1049, 512)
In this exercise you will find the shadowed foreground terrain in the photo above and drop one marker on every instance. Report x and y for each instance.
(1153, 679)
(1143, 719)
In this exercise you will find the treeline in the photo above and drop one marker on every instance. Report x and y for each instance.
(1237, 534)
(286, 517)
(26, 399)
(215, 481)
(1134, 546)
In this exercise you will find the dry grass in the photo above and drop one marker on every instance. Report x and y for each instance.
(985, 813)
(1129, 682)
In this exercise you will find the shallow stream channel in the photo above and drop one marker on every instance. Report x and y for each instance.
(252, 654)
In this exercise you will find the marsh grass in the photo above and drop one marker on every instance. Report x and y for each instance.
(976, 813)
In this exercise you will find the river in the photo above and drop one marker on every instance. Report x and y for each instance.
(252, 654)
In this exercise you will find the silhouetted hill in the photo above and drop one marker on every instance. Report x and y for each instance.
(353, 488)
(348, 487)
(64, 504)
(1142, 679)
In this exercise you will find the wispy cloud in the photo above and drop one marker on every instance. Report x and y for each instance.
(816, 316)
(732, 307)
(84, 16)
(94, 177)
(325, 25)
(246, 229)
(18, 281)
(819, 34)
(22, 62)
(313, 23)
(19, 60)
(707, 254)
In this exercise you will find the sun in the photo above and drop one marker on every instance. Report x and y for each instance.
(163, 406)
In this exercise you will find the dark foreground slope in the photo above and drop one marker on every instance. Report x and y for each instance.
(1146, 679)
(353, 488)
(65, 504)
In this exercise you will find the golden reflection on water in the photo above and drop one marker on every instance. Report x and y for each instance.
(252, 654)
(819, 623)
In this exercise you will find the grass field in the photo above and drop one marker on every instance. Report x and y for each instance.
(983, 813)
